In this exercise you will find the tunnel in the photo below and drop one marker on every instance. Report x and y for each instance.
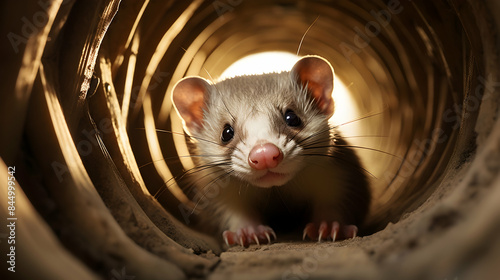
(93, 152)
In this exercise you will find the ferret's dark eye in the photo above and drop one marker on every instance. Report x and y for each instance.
(227, 133)
(292, 119)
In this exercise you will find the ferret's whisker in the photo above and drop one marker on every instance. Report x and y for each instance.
(190, 136)
(239, 157)
(226, 174)
(358, 119)
(317, 134)
(371, 149)
(314, 142)
(355, 147)
(365, 136)
(337, 126)
(203, 167)
(194, 183)
(342, 159)
(177, 159)
(328, 140)
(305, 33)
(195, 169)
(209, 75)
(295, 135)
(162, 189)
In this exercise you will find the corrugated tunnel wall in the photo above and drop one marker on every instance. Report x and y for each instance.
(85, 103)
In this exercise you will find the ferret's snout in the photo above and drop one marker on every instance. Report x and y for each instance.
(265, 156)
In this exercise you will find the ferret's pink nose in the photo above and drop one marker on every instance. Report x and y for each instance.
(265, 156)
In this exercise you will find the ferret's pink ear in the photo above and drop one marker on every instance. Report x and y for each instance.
(316, 73)
(189, 99)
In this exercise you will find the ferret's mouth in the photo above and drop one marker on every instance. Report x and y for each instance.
(271, 179)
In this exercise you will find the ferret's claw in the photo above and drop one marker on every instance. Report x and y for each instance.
(335, 230)
(228, 237)
(265, 231)
(323, 231)
(310, 230)
(256, 239)
(249, 235)
(331, 230)
(273, 233)
(268, 238)
(351, 231)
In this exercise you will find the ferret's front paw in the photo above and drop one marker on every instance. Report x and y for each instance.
(249, 235)
(333, 231)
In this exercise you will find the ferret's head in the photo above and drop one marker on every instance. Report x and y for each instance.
(259, 128)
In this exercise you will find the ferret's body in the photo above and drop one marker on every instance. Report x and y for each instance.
(266, 155)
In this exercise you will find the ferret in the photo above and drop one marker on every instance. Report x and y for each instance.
(264, 143)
